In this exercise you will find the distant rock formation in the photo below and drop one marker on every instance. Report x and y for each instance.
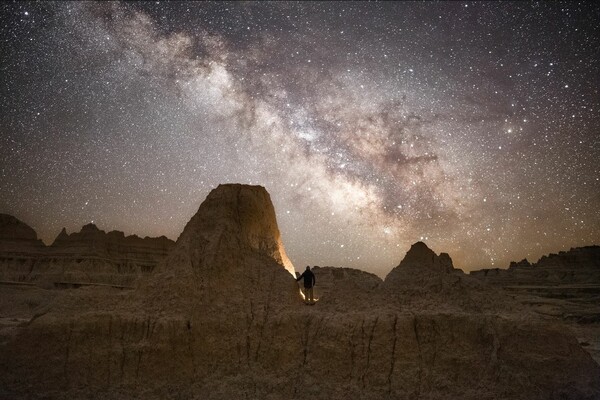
(425, 280)
(90, 256)
(521, 264)
(580, 265)
(91, 241)
(221, 318)
(563, 286)
(18, 237)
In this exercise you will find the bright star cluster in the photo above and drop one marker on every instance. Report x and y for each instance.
(473, 126)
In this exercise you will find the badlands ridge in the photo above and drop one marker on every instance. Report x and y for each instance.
(217, 315)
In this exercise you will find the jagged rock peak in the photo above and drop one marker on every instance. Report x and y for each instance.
(524, 263)
(93, 241)
(420, 255)
(91, 227)
(235, 220)
(419, 260)
(12, 228)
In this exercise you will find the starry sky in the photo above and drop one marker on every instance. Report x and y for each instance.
(473, 126)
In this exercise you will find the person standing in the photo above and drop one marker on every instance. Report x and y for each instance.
(309, 282)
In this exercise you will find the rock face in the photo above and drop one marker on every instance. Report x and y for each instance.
(427, 281)
(229, 251)
(221, 318)
(90, 256)
(580, 265)
(234, 223)
(563, 286)
(18, 237)
(342, 289)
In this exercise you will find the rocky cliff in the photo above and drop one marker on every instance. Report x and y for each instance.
(17, 237)
(580, 265)
(563, 286)
(230, 251)
(221, 318)
(90, 256)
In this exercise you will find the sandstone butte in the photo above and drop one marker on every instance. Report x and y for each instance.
(220, 317)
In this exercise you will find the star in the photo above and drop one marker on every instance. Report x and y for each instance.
(370, 125)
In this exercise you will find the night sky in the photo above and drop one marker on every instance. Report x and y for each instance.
(471, 126)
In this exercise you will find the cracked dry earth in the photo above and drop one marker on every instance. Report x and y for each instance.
(221, 318)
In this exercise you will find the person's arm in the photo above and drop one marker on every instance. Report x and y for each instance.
(300, 277)
(314, 279)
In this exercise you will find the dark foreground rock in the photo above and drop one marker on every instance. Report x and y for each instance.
(221, 318)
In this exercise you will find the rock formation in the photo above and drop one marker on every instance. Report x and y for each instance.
(18, 237)
(221, 318)
(425, 280)
(580, 265)
(563, 286)
(230, 249)
(342, 289)
(90, 256)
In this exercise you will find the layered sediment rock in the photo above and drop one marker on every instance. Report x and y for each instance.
(580, 265)
(90, 256)
(18, 237)
(427, 281)
(563, 286)
(221, 318)
(230, 251)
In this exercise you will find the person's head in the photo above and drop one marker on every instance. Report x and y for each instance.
(307, 268)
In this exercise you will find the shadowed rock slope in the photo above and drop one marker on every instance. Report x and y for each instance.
(16, 236)
(221, 318)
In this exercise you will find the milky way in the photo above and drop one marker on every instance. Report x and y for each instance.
(471, 126)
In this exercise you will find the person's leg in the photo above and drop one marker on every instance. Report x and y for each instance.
(306, 295)
(311, 298)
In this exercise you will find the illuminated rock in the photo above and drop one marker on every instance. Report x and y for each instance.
(230, 251)
(233, 223)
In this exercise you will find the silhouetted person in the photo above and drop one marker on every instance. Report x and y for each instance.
(309, 282)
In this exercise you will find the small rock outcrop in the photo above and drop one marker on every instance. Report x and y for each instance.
(521, 264)
(422, 259)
